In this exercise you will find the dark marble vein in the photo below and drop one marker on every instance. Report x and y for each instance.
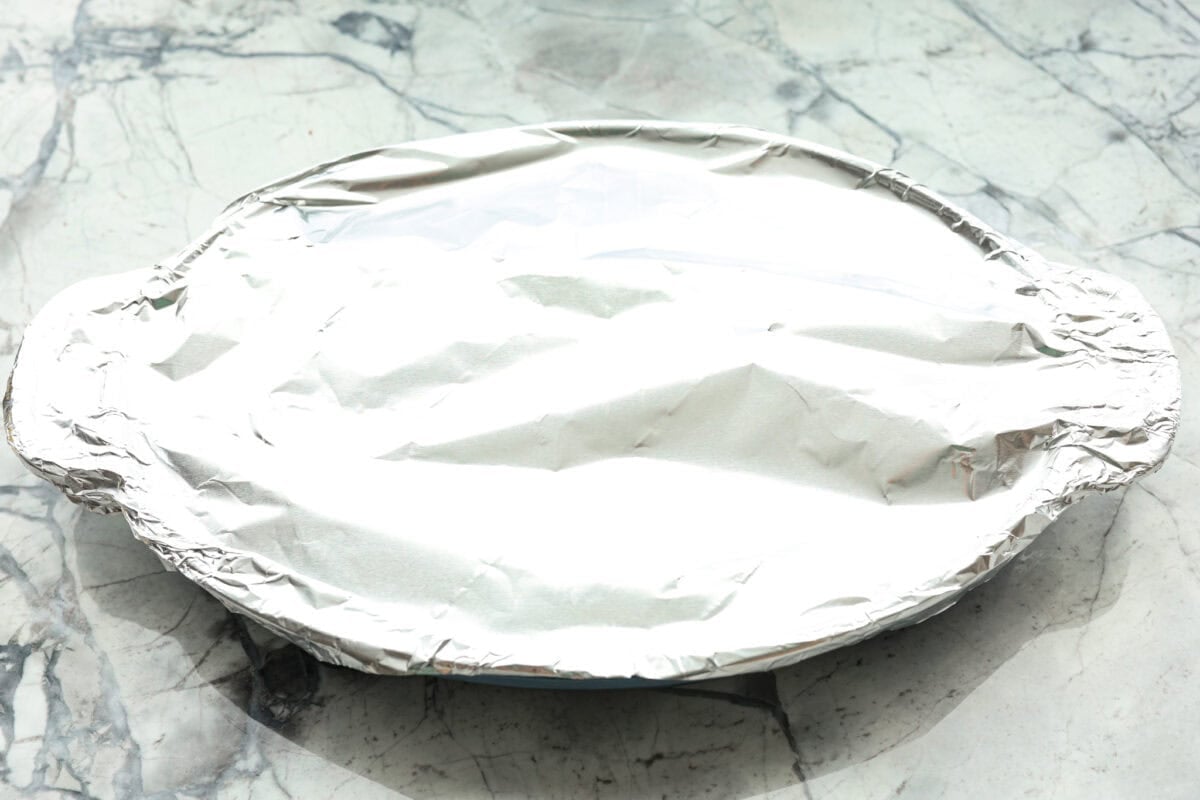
(1186, 173)
(70, 741)
(372, 28)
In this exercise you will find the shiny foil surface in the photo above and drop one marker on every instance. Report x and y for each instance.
(592, 400)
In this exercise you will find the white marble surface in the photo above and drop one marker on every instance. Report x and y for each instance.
(125, 125)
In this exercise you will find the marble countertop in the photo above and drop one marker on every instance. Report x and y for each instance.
(126, 125)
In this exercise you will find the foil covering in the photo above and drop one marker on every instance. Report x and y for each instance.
(592, 400)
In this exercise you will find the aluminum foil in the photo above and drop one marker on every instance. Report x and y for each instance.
(592, 400)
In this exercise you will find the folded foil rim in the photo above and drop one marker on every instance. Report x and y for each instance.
(98, 488)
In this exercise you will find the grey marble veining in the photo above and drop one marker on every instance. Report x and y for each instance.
(125, 125)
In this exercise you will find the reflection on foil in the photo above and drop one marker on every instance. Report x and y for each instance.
(592, 400)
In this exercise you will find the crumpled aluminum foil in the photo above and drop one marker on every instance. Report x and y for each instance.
(592, 400)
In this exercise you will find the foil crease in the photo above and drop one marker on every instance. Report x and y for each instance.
(592, 400)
